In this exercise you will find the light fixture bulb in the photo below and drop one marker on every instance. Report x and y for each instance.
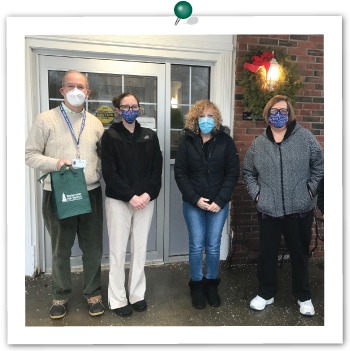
(273, 73)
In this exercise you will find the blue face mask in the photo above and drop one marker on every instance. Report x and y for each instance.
(278, 120)
(206, 124)
(129, 116)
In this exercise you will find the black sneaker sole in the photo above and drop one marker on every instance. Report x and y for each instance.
(123, 314)
(214, 305)
(140, 310)
(199, 307)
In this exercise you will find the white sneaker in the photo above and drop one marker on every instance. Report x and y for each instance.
(306, 308)
(258, 303)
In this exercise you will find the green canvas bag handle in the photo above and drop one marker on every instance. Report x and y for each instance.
(62, 170)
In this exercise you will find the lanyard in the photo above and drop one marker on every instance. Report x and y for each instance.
(71, 128)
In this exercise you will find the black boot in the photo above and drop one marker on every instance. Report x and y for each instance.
(211, 291)
(197, 292)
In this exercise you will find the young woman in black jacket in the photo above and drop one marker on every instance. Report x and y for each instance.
(206, 172)
(132, 169)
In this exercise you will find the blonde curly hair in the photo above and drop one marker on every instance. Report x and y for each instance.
(197, 109)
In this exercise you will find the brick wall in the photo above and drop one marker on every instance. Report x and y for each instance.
(307, 52)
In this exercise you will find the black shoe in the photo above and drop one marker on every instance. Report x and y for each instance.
(96, 307)
(139, 306)
(211, 291)
(197, 292)
(124, 311)
(58, 309)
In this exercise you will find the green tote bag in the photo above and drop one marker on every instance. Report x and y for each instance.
(69, 192)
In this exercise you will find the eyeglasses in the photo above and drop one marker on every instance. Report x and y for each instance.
(282, 111)
(127, 107)
(72, 86)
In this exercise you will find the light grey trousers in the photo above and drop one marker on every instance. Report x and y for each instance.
(124, 222)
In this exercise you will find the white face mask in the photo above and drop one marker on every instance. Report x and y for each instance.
(75, 97)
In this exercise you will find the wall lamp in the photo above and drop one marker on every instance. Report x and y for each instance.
(273, 73)
(270, 64)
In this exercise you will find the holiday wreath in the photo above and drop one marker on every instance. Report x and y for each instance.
(256, 94)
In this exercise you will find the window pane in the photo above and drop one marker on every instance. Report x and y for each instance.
(148, 116)
(148, 110)
(54, 103)
(200, 84)
(178, 117)
(144, 88)
(175, 139)
(180, 84)
(104, 86)
(55, 84)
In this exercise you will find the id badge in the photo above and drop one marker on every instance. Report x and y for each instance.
(77, 163)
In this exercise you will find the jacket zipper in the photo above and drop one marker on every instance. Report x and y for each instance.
(200, 150)
(211, 148)
(210, 151)
(284, 210)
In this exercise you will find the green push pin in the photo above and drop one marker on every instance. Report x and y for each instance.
(182, 10)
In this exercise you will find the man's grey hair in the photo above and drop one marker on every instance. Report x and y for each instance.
(74, 71)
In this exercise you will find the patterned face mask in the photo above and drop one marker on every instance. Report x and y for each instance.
(278, 120)
(129, 116)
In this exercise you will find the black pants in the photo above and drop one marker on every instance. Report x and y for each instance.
(89, 228)
(297, 235)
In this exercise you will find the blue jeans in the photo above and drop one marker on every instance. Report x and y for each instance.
(204, 229)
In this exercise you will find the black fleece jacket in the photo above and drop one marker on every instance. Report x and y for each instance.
(213, 177)
(320, 193)
(131, 162)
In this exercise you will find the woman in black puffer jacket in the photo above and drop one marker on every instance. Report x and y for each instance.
(206, 172)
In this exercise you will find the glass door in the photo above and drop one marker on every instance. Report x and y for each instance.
(188, 85)
(108, 78)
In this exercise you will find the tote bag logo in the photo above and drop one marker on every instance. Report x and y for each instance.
(64, 198)
(71, 197)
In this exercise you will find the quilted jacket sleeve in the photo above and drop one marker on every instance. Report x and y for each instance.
(316, 163)
(250, 173)
(231, 174)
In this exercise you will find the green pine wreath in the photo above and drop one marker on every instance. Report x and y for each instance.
(289, 83)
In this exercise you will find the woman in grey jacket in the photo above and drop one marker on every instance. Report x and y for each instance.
(281, 171)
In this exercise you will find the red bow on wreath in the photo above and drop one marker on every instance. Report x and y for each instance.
(263, 60)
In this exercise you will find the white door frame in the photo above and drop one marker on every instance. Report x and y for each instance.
(219, 56)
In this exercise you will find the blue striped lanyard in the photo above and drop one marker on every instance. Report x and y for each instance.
(71, 128)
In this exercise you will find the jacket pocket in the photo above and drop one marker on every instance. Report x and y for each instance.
(266, 201)
(301, 198)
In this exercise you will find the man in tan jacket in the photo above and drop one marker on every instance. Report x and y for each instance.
(69, 135)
